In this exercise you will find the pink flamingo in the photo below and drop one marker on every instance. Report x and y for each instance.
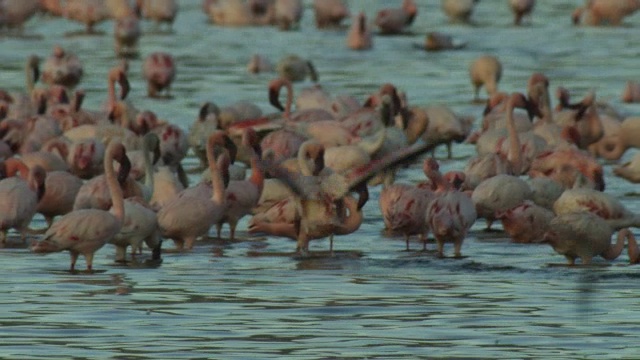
(520, 9)
(403, 208)
(526, 223)
(284, 219)
(140, 224)
(126, 33)
(19, 196)
(631, 92)
(259, 64)
(61, 188)
(160, 11)
(15, 13)
(159, 70)
(395, 20)
(359, 36)
(632, 246)
(600, 203)
(458, 10)
(329, 13)
(62, 68)
(88, 12)
(497, 194)
(450, 216)
(86, 231)
(243, 195)
(486, 71)
(185, 217)
(295, 68)
(604, 12)
(288, 13)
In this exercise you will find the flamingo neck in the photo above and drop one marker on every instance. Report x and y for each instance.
(632, 247)
(148, 165)
(15, 166)
(353, 220)
(287, 107)
(217, 181)
(257, 175)
(117, 199)
(514, 156)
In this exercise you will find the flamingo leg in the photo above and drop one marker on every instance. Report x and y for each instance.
(89, 260)
(440, 244)
(406, 239)
(74, 258)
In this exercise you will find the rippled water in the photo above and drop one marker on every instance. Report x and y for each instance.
(238, 300)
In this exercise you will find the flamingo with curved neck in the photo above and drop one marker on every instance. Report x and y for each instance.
(187, 217)
(86, 231)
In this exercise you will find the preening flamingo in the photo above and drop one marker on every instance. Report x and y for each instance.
(87, 230)
(284, 219)
(185, 218)
(403, 209)
(585, 235)
(526, 223)
(450, 216)
(19, 196)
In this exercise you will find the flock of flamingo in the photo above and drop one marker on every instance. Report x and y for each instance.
(114, 175)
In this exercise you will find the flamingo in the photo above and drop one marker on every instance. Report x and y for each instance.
(126, 34)
(629, 170)
(288, 13)
(604, 12)
(450, 216)
(19, 196)
(486, 71)
(160, 11)
(526, 223)
(631, 92)
(520, 9)
(16, 12)
(600, 203)
(497, 194)
(61, 189)
(243, 195)
(88, 12)
(159, 69)
(185, 217)
(395, 20)
(458, 10)
(445, 127)
(62, 68)
(614, 146)
(295, 68)
(359, 36)
(403, 208)
(140, 224)
(284, 219)
(585, 235)
(632, 246)
(86, 231)
(259, 64)
(329, 13)
(241, 12)
(438, 41)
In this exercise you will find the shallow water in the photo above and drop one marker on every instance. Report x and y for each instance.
(373, 300)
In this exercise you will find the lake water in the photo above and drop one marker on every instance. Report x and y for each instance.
(237, 300)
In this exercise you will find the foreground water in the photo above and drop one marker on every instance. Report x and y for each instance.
(373, 300)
